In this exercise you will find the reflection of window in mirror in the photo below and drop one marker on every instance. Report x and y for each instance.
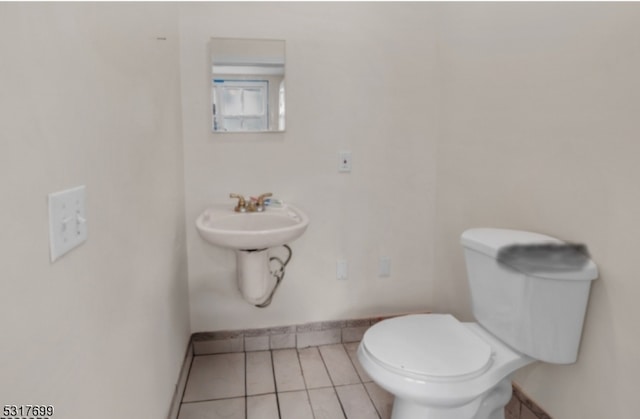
(281, 106)
(248, 85)
(240, 105)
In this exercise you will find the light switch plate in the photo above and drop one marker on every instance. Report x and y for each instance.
(67, 221)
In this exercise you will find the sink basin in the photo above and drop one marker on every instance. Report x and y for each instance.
(222, 226)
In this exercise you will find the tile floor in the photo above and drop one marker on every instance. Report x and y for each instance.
(318, 382)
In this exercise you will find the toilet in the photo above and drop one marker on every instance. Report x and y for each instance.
(440, 368)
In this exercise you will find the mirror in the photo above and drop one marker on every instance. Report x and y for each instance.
(247, 85)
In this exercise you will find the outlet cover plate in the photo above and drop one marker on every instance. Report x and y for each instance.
(384, 267)
(342, 269)
(344, 164)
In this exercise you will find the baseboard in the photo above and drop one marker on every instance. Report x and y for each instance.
(174, 409)
(296, 336)
(522, 406)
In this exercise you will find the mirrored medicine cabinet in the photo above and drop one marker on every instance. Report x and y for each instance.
(247, 85)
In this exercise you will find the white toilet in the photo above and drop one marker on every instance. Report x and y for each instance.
(440, 368)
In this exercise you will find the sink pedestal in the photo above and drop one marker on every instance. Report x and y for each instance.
(254, 278)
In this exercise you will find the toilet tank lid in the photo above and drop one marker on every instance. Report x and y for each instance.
(490, 240)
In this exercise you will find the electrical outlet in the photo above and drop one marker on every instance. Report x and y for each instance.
(384, 267)
(342, 268)
(344, 164)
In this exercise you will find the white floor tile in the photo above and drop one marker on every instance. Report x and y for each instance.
(381, 398)
(313, 369)
(215, 377)
(287, 370)
(259, 373)
(275, 386)
(295, 405)
(215, 387)
(216, 409)
(352, 350)
(325, 404)
(339, 365)
(355, 402)
(262, 407)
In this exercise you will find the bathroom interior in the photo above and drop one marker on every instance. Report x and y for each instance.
(456, 115)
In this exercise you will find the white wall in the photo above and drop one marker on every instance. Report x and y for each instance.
(359, 77)
(89, 96)
(540, 132)
(529, 110)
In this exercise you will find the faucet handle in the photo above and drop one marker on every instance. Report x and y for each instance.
(260, 201)
(262, 197)
(242, 204)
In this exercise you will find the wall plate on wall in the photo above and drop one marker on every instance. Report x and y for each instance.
(67, 220)
(384, 267)
(344, 163)
(342, 269)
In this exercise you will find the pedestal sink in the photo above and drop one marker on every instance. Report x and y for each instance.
(251, 235)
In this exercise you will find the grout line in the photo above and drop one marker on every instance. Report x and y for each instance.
(214, 400)
(186, 381)
(270, 392)
(352, 363)
(333, 385)
(325, 366)
(304, 380)
(362, 383)
(275, 384)
(306, 391)
(246, 396)
(366, 390)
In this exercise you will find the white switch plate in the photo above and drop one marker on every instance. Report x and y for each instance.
(384, 267)
(342, 268)
(67, 221)
(344, 164)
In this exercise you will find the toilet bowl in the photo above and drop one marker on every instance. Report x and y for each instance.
(440, 368)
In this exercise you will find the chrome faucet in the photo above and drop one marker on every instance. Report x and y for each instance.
(254, 205)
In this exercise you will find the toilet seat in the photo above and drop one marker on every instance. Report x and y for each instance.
(429, 346)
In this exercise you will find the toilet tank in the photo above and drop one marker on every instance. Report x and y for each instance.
(539, 313)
